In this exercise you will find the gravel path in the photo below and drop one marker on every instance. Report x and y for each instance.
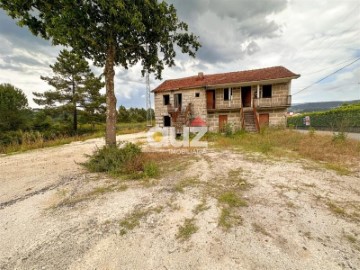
(298, 215)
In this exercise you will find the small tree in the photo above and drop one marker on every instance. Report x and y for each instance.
(110, 33)
(13, 107)
(75, 86)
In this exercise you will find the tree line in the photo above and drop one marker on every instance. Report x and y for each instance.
(74, 98)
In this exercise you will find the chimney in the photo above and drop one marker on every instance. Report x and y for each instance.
(200, 75)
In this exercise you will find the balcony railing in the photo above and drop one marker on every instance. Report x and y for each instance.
(224, 106)
(281, 101)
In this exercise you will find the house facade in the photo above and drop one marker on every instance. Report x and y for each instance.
(243, 100)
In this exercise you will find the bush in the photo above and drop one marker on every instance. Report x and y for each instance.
(123, 159)
(114, 159)
(228, 130)
(151, 169)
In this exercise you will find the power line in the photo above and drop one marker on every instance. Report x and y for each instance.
(307, 87)
(335, 65)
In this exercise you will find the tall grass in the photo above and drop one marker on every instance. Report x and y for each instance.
(282, 142)
(30, 140)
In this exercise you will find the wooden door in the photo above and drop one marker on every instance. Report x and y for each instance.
(264, 120)
(246, 96)
(222, 122)
(210, 99)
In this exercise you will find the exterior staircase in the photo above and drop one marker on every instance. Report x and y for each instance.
(249, 121)
(180, 118)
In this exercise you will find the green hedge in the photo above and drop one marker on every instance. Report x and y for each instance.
(344, 118)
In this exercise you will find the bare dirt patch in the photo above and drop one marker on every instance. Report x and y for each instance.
(217, 210)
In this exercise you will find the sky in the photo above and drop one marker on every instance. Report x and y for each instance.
(310, 38)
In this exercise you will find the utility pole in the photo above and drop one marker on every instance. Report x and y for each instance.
(149, 116)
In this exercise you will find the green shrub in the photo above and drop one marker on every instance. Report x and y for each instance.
(151, 169)
(228, 130)
(115, 159)
(311, 131)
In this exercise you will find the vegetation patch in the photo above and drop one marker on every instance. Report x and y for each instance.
(232, 200)
(132, 220)
(71, 200)
(126, 160)
(260, 229)
(336, 209)
(339, 169)
(228, 220)
(182, 184)
(279, 142)
(201, 207)
(186, 230)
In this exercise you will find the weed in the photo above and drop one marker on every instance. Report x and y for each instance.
(181, 185)
(132, 220)
(336, 209)
(339, 169)
(290, 204)
(260, 229)
(350, 238)
(312, 185)
(151, 169)
(311, 131)
(288, 143)
(232, 200)
(339, 137)
(227, 220)
(201, 207)
(186, 230)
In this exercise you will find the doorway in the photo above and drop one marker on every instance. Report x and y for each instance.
(264, 120)
(222, 122)
(246, 96)
(210, 99)
(167, 121)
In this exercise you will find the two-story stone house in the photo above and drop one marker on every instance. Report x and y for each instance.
(245, 99)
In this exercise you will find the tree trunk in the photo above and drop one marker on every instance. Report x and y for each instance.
(109, 72)
(75, 109)
(75, 119)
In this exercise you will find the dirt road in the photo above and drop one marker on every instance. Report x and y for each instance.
(293, 215)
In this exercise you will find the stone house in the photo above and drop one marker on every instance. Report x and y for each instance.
(245, 99)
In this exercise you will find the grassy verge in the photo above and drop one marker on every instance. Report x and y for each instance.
(281, 142)
(98, 132)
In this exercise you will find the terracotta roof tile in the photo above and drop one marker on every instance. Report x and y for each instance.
(227, 78)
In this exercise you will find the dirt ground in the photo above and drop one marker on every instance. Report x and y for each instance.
(291, 214)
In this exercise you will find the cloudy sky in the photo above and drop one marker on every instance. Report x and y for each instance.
(311, 38)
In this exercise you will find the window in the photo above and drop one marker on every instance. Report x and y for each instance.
(167, 121)
(227, 93)
(177, 100)
(166, 99)
(197, 94)
(267, 91)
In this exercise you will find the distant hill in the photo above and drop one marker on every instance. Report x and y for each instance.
(318, 106)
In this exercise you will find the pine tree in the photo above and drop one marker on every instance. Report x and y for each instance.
(110, 33)
(75, 86)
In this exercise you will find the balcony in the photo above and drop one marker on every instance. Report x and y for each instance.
(273, 102)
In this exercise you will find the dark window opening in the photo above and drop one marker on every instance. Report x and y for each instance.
(167, 121)
(197, 94)
(267, 91)
(227, 93)
(166, 99)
